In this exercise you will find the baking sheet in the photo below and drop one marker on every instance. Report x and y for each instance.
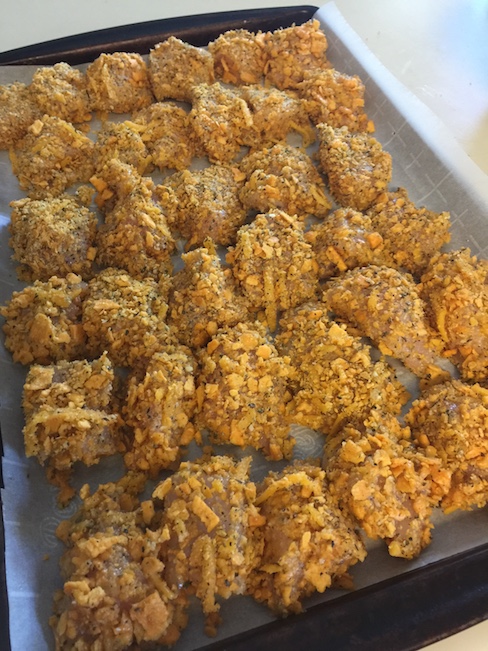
(436, 173)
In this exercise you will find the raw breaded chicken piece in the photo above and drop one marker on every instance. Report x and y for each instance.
(62, 91)
(113, 595)
(357, 167)
(274, 264)
(239, 56)
(242, 391)
(52, 237)
(385, 482)
(119, 82)
(451, 420)
(384, 305)
(175, 67)
(204, 204)
(52, 156)
(334, 377)
(308, 542)
(293, 51)
(159, 408)
(17, 112)
(455, 287)
(283, 177)
(116, 181)
(208, 508)
(203, 298)
(43, 321)
(121, 141)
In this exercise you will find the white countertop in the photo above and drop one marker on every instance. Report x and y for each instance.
(437, 48)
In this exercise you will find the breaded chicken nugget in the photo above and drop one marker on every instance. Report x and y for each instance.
(121, 141)
(62, 91)
(239, 56)
(18, 111)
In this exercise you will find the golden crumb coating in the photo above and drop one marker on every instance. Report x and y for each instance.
(283, 177)
(208, 507)
(384, 304)
(121, 141)
(242, 391)
(17, 112)
(62, 91)
(221, 120)
(50, 157)
(203, 298)
(159, 408)
(389, 485)
(52, 237)
(334, 376)
(308, 542)
(118, 82)
(239, 56)
(455, 287)
(336, 99)
(293, 51)
(43, 321)
(274, 264)
(204, 204)
(113, 595)
(116, 181)
(357, 167)
(175, 67)
(451, 420)
(168, 135)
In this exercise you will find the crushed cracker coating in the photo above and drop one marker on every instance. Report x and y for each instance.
(336, 99)
(384, 305)
(204, 204)
(116, 181)
(113, 594)
(203, 298)
(43, 321)
(168, 135)
(62, 91)
(52, 237)
(307, 541)
(291, 52)
(273, 264)
(455, 287)
(17, 112)
(451, 420)
(125, 317)
(242, 391)
(208, 507)
(335, 380)
(357, 167)
(175, 67)
(119, 83)
(239, 56)
(276, 113)
(121, 141)
(386, 483)
(283, 177)
(50, 157)
(159, 408)
(221, 120)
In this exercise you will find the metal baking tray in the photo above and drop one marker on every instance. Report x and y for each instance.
(402, 613)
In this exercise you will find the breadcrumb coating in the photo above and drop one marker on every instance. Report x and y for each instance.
(17, 112)
(357, 167)
(390, 486)
(334, 376)
(283, 177)
(52, 156)
(175, 67)
(203, 298)
(239, 57)
(43, 321)
(307, 540)
(121, 141)
(273, 264)
(116, 181)
(52, 237)
(242, 391)
(62, 91)
(455, 287)
(451, 420)
(119, 82)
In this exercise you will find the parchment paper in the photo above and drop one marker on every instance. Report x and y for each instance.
(436, 172)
